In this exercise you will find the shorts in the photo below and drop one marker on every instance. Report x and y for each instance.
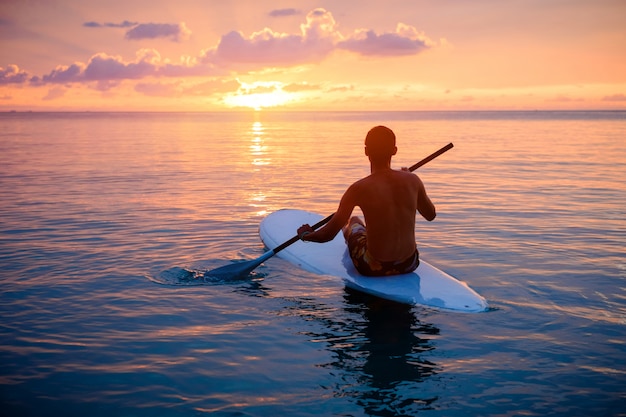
(366, 264)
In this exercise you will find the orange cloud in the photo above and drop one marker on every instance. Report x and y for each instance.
(615, 97)
(298, 87)
(178, 89)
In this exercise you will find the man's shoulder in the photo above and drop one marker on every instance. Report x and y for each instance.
(407, 176)
(373, 181)
(368, 181)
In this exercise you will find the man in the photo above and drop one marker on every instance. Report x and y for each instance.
(389, 200)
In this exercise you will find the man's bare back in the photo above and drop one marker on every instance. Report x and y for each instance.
(389, 200)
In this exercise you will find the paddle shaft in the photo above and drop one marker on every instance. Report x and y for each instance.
(327, 219)
(431, 157)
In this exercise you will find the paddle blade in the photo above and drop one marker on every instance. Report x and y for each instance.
(238, 270)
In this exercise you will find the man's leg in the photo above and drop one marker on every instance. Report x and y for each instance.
(348, 229)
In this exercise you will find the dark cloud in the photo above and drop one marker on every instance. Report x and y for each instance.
(12, 75)
(176, 32)
(284, 12)
(405, 41)
(124, 24)
(64, 74)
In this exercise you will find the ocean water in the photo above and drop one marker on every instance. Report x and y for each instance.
(102, 213)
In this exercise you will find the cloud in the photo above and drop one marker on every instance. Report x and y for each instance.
(213, 87)
(615, 97)
(54, 93)
(406, 40)
(176, 89)
(63, 74)
(176, 32)
(260, 88)
(320, 24)
(284, 12)
(105, 68)
(317, 39)
(340, 89)
(264, 48)
(124, 24)
(12, 75)
(298, 87)
(268, 48)
(158, 89)
(564, 99)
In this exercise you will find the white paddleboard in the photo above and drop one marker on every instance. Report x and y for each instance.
(426, 286)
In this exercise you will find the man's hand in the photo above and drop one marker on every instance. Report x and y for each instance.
(304, 230)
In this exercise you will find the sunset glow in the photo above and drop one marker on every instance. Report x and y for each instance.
(258, 96)
(142, 55)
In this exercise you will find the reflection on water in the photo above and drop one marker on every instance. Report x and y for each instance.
(259, 157)
(258, 149)
(381, 351)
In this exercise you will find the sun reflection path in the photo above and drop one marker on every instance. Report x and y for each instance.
(259, 159)
(258, 149)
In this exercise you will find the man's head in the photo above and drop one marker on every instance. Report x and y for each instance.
(380, 143)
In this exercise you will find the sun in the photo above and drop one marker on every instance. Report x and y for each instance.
(259, 95)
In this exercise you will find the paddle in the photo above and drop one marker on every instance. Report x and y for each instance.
(241, 269)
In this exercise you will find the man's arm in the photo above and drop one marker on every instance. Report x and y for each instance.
(330, 229)
(424, 206)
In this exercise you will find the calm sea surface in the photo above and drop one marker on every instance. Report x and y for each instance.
(100, 213)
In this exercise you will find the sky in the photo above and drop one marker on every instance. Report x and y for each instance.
(216, 55)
